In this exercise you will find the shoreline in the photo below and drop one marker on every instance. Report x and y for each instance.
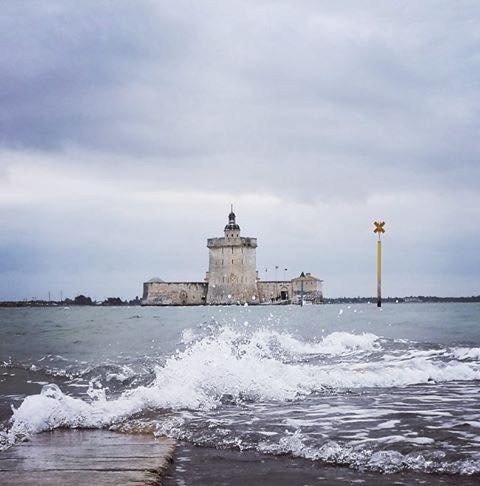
(225, 467)
(337, 301)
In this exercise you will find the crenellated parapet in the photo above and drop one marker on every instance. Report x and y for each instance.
(222, 242)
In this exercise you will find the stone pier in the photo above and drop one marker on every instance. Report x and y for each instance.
(86, 457)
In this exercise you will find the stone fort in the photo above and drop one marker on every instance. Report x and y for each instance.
(232, 278)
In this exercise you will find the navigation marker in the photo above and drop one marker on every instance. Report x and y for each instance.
(379, 229)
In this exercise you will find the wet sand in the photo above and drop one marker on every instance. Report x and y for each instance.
(194, 465)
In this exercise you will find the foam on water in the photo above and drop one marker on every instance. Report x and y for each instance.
(386, 461)
(467, 353)
(255, 367)
(336, 343)
(231, 363)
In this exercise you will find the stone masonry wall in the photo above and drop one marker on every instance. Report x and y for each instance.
(174, 293)
(232, 271)
(269, 290)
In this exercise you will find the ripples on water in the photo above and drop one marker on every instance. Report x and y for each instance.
(389, 391)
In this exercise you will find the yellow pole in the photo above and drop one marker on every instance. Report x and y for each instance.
(379, 272)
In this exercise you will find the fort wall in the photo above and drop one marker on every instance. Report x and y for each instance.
(232, 278)
(174, 293)
(272, 291)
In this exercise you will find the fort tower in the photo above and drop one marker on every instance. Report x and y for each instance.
(232, 267)
(232, 278)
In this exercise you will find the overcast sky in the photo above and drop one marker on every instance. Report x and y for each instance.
(128, 128)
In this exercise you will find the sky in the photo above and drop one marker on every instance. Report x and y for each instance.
(128, 128)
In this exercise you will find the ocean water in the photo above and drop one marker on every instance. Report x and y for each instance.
(378, 390)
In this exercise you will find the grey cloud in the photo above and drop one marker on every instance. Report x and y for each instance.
(228, 78)
(321, 106)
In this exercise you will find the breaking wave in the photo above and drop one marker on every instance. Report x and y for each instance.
(231, 365)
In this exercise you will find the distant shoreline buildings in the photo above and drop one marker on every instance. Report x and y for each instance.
(232, 278)
(117, 302)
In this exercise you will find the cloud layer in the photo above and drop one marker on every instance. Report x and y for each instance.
(127, 128)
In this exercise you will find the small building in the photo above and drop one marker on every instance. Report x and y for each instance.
(232, 278)
(311, 287)
(291, 290)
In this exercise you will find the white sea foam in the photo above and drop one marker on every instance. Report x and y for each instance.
(229, 364)
(336, 343)
(466, 353)
(386, 461)
(389, 424)
(123, 375)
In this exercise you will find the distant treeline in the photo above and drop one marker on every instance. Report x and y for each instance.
(78, 300)
(117, 301)
(400, 300)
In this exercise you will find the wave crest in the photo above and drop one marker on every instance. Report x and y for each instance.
(234, 366)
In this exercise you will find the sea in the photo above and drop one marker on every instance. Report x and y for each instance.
(258, 394)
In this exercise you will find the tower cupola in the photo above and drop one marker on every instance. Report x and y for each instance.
(232, 225)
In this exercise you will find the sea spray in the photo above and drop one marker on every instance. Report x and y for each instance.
(244, 367)
(259, 371)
